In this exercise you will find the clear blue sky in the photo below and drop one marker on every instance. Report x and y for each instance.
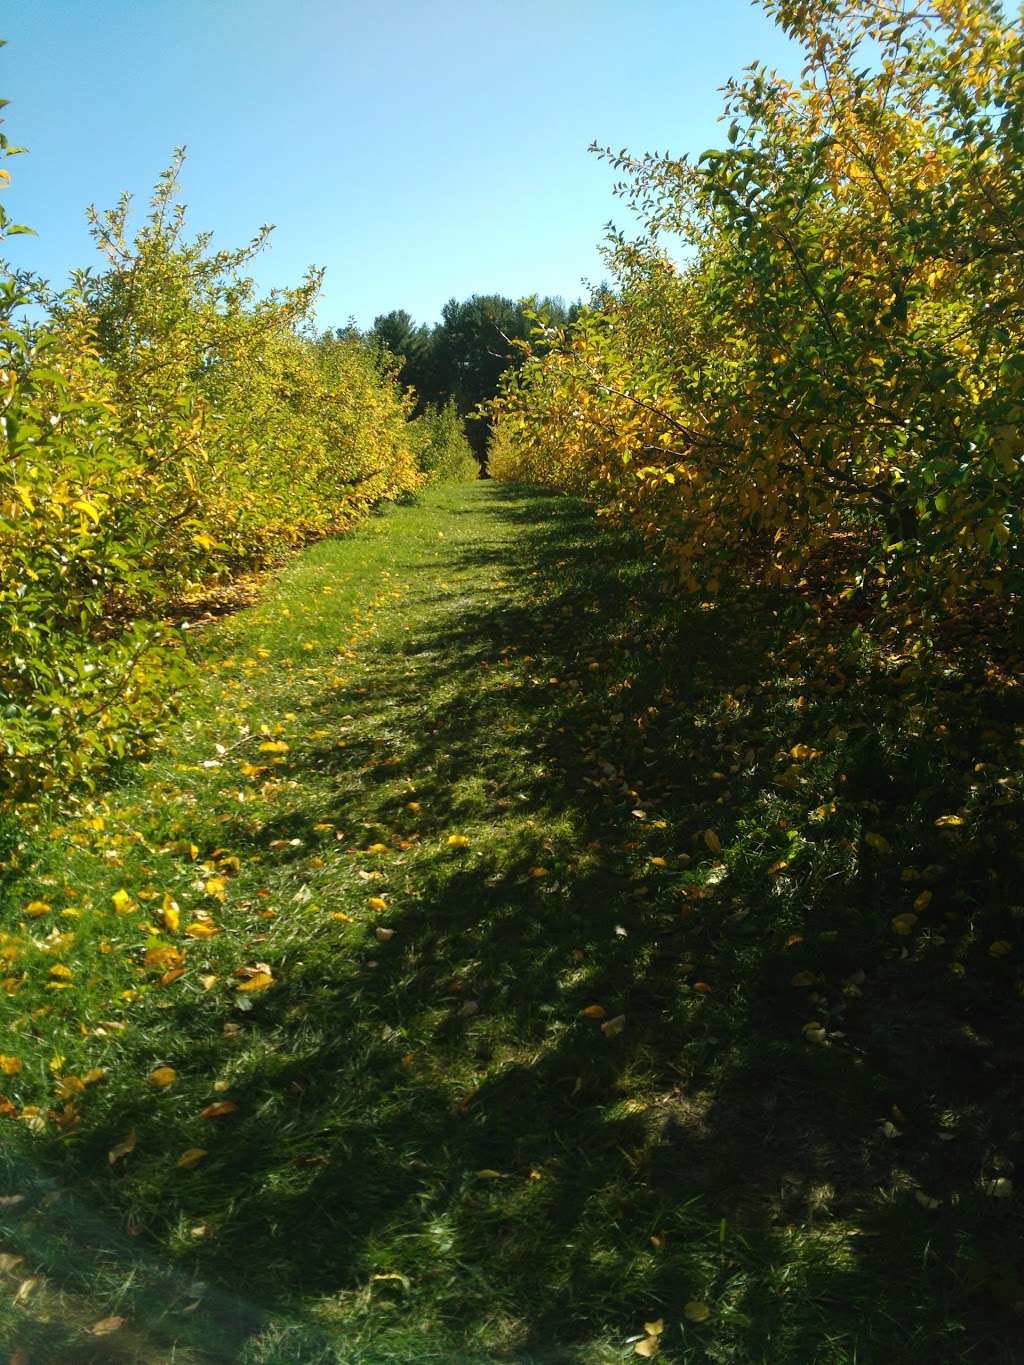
(419, 149)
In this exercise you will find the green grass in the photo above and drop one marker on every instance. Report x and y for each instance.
(436, 1155)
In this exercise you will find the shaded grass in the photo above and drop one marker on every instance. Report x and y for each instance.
(703, 820)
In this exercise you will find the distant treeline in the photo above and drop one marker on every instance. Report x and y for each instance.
(465, 354)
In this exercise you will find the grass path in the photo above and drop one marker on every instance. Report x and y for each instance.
(461, 982)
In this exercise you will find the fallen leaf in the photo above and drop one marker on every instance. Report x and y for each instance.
(712, 841)
(457, 841)
(647, 1347)
(10, 1066)
(594, 1012)
(9, 1262)
(695, 1311)
(163, 1076)
(611, 1028)
(384, 934)
(190, 1158)
(377, 903)
(123, 1148)
(123, 903)
(106, 1326)
(259, 981)
(220, 1109)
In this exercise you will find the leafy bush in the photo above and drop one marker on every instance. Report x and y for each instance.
(164, 428)
(445, 455)
(830, 391)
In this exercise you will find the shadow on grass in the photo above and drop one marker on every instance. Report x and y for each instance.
(810, 1160)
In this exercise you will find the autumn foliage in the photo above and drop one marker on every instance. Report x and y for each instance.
(164, 429)
(810, 372)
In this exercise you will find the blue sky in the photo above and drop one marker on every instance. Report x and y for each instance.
(419, 151)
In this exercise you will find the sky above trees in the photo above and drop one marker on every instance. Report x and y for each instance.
(419, 152)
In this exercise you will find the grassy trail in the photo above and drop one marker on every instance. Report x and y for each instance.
(451, 894)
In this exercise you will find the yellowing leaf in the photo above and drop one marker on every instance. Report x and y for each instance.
(9, 1066)
(655, 1329)
(384, 934)
(695, 1311)
(923, 901)
(539, 872)
(200, 928)
(611, 1028)
(61, 972)
(123, 903)
(163, 956)
(457, 841)
(190, 1158)
(36, 908)
(647, 1347)
(163, 1076)
(594, 1012)
(949, 822)
(259, 981)
(170, 914)
(377, 903)
(216, 887)
(274, 746)
(712, 841)
(377, 848)
(903, 924)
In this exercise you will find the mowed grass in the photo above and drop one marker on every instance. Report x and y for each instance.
(554, 979)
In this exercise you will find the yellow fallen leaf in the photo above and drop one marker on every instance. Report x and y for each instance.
(163, 1076)
(94, 1074)
(61, 972)
(216, 887)
(594, 1012)
(200, 928)
(170, 914)
(539, 872)
(903, 924)
(36, 908)
(611, 1028)
(949, 822)
(107, 1326)
(258, 982)
(695, 1311)
(384, 934)
(274, 746)
(377, 903)
(647, 1347)
(123, 903)
(1000, 948)
(9, 1066)
(208, 982)
(457, 841)
(655, 1329)
(190, 1158)
(712, 841)
(341, 916)
(923, 901)
(377, 848)
(9, 1262)
(164, 955)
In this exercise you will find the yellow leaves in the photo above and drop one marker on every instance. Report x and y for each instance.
(257, 978)
(88, 509)
(922, 901)
(378, 848)
(201, 928)
(804, 751)
(60, 972)
(170, 914)
(9, 1066)
(539, 872)
(35, 909)
(274, 746)
(216, 888)
(594, 1012)
(163, 956)
(903, 924)
(458, 841)
(191, 1157)
(204, 541)
(949, 822)
(377, 903)
(163, 1076)
(696, 1311)
(123, 903)
(712, 841)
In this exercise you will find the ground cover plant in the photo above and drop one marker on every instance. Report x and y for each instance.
(494, 961)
